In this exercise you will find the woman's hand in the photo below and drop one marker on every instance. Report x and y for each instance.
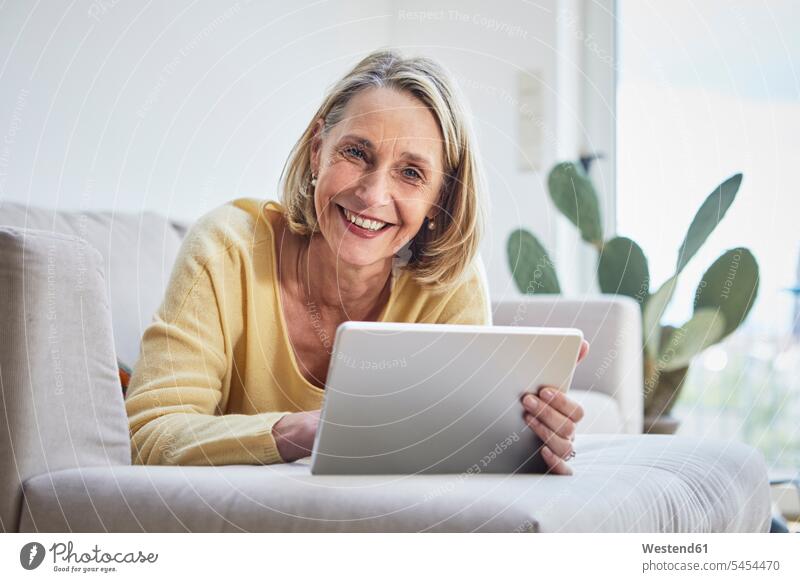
(552, 415)
(294, 434)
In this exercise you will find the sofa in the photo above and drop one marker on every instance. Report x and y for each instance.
(79, 288)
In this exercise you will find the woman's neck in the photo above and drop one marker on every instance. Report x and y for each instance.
(357, 292)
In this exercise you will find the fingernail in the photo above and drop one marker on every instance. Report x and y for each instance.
(547, 393)
(530, 401)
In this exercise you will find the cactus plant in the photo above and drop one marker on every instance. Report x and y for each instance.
(729, 285)
(723, 299)
(573, 194)
(707, 218)
(534, 271)
(622, 269)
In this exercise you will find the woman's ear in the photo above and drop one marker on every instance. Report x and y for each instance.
(316, 145)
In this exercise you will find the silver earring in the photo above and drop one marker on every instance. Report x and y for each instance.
(313, 180)
(431, 224)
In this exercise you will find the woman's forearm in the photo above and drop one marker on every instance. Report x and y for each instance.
(188, 438)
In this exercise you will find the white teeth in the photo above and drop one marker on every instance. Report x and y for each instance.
(363, 222)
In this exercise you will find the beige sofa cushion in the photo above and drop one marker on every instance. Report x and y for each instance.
(601, 413)
(60, 400)
(644, 483)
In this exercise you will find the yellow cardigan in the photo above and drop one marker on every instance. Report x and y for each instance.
(216, 369)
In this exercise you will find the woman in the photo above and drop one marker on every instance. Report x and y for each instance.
(381, 219)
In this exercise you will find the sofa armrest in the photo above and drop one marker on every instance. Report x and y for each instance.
(612, 324)
(60, 396)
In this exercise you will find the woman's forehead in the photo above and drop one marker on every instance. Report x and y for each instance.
(381, 117)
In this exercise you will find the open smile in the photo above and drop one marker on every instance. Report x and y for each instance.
(361, 225)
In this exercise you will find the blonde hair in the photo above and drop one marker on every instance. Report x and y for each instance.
(439, 257)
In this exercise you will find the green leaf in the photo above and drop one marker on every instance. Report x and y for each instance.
(574, 195)
(731, 285)
(653, 312)
(623, 270)
(531, 266)
(707, 218)
(704, 329)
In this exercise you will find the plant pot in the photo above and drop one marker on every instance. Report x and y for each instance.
(661, 392)
(661, 389)
(661, 424)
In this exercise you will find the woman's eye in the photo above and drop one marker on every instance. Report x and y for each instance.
(355, 152)
(412, 173)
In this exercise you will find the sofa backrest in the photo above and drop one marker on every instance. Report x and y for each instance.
(138, 252)
(60, 399)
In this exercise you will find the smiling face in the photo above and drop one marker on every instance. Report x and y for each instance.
(379, 174)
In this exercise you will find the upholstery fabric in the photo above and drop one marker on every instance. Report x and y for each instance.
(61, 402)
(601, 413)
(622, 483)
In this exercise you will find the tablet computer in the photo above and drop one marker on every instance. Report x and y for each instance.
(405, 398)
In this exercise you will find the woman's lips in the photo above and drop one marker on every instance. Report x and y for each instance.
(360, 231)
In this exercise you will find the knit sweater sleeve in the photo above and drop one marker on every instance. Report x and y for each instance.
(174, 396)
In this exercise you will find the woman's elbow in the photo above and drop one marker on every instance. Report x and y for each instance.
(150, 446)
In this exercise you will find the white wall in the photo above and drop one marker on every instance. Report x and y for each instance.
(173, 106)
(180, 106)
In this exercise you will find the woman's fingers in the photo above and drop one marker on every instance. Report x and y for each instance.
(548, 415)
(584, 350)
(561, 402)
(552, 416)
(557, 464)
(556, 443)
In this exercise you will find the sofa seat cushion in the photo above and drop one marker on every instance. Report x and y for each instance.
(622, 483)
(601, 413)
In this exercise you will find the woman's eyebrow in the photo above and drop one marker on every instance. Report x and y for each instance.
(357, 138)
(364, 142)
(417, 158)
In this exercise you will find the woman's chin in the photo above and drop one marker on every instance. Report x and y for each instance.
(357, 250)
(359, 257)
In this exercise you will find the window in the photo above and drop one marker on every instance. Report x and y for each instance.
(705, 90)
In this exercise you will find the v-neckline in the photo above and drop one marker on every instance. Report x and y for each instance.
(272, 205)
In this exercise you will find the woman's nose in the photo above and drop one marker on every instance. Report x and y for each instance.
(375, 188)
